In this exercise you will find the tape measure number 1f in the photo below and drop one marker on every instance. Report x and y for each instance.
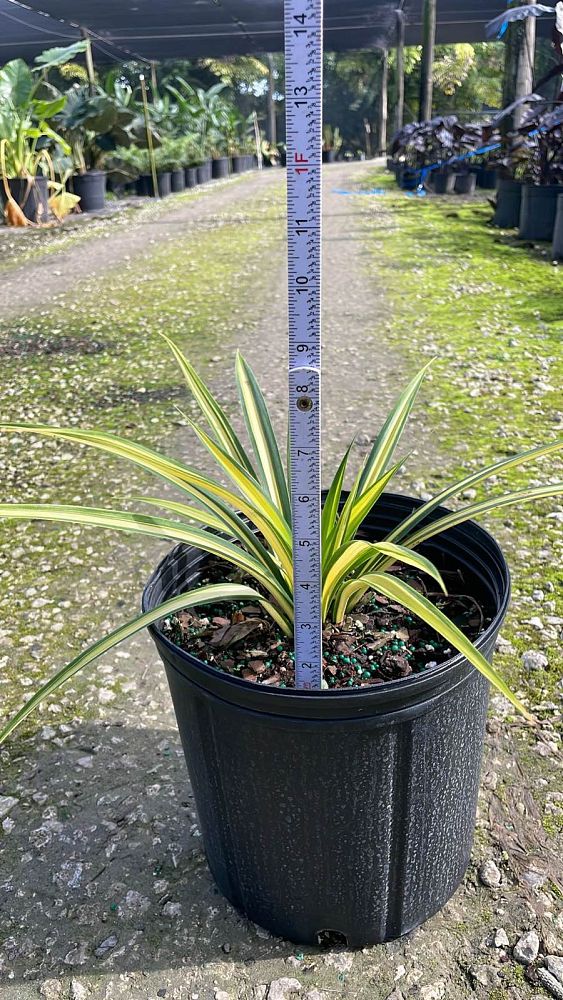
(303, 102)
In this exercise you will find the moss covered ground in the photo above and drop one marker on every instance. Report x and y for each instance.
(489, 309)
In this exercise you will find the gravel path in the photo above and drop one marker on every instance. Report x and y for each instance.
(105, 889)
(100, 244)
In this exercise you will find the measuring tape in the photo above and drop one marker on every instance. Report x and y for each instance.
(303, 103)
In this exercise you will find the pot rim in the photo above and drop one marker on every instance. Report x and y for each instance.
(414, 689)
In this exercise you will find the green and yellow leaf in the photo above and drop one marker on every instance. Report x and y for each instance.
(419, 605)
(261, 433)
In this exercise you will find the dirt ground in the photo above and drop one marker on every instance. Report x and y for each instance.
(105, 892)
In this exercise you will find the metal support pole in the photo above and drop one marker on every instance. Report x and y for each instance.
(383, 103)
(400, 71)
(272, 130)
(428, 43)
(89, 61)
(150, 147)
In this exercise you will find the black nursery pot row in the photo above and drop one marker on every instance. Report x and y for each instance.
(446, 181)
(535, 209)
(32, 195)
(174, 181)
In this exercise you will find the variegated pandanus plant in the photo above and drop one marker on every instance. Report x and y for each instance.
(250, 521)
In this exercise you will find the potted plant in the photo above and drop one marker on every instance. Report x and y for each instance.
(270, 154)
(427, 146)
(539, 153)
(440, 147)
(487, 165)
(467, 138)
(203, 112)
(27, 105)
(95, 124)
(61, 201)
(332, 143)
(194, 159)
(220, 163)
(508, 201)
(135, 163)
(170, 158)
(347, 811)
(240, 142)
(407, 153)
(124, 167)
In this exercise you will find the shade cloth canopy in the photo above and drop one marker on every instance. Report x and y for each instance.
(175, 29)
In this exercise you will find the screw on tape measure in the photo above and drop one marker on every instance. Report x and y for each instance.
(303, 102)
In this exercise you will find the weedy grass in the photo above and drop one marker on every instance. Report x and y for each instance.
(491, 310)
(55, 579)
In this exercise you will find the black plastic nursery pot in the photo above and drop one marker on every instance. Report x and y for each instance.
(329, 156)
(91, 189)
(164, 183)
(537, 211)
(346, 814)
(557, 247)
(408, 178)
(204, 172)
(509, 201)
(240, 164)
(487, 178)
(31, 195)
(177, 180)
(144, 186)
(220, 167)
(190, 176)
(443, 181)
(465, 183)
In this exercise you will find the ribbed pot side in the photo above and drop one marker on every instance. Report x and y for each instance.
(350, 812)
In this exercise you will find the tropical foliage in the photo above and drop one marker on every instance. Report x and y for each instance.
(247, 523)
(537, 148)
(27, 105)
(443, 138)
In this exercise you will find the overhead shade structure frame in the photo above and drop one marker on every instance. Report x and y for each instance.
(183, 29)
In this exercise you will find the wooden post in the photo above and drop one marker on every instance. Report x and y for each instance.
(154, 81)
(149, 135)
(383, 101)
(400, 71)
(519, 58)
(525, 69)
(428, 43)
(89, 61)
(272, 130)
(257, 139)
(367, 130)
